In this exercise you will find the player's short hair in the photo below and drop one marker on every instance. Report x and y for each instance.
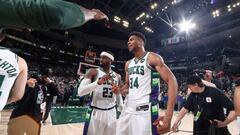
(138, 34)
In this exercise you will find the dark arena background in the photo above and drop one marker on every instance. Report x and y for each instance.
(190, 35)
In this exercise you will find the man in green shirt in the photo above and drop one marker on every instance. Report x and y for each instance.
(45, 14)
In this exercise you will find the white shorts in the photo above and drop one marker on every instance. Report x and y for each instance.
(102, 122)
(138, 122)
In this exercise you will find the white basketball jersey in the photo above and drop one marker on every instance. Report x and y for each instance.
(139, 80)
(9, 71)
(102, 95)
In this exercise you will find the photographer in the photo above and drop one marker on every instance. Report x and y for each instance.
(27, 116)
(52, 91)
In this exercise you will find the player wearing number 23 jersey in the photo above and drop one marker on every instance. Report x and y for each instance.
(102, 111)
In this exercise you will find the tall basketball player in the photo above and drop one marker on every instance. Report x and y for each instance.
(140, 110)
(13, 76)
(103, 106)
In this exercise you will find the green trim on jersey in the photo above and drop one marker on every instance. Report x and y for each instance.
(137, 60)
(3, 48)
(155, 87)
(16, 57)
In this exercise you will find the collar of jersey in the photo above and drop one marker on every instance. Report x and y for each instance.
(137, 60)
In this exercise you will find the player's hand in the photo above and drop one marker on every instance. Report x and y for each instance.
(31, 82)
(99, 15)
(163, 124)
(124, 92)
(175, 127)
(115, 89)
(47, 80)
(219, 123)
(103, 79)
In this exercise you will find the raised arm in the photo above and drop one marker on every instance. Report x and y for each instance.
(45, 14)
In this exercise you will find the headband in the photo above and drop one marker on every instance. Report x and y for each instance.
(110, 56)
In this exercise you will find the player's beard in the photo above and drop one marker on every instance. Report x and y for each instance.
(132, 50)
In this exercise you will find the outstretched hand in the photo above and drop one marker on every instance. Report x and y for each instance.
(99, 15)
(163, 124)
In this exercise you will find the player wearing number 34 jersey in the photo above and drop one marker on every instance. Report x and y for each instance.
(102, 112)
(140, 111)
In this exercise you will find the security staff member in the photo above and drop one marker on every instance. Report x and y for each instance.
(207, 104)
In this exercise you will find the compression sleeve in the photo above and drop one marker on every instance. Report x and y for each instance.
(119, 103)
(86, 87)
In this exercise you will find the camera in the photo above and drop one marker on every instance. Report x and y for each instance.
(230, 63)
(40, 75)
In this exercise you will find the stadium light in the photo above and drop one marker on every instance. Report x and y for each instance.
(117, 19)
(186, 26)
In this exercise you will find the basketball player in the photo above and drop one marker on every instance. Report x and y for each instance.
(45, 14)
(13, 76)
(139, 106)
(103, 106)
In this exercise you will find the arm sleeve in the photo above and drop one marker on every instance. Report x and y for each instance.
(86, 87)
(119, 102)
(41, 14)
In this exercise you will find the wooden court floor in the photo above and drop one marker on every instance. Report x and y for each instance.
(76, 129)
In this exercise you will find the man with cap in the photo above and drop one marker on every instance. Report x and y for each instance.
(207, 104)
(99, 81)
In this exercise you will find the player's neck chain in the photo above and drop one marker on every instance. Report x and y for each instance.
(136, 60)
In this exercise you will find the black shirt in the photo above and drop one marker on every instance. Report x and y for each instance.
(31, 103)
(52, 91)
(206, 106)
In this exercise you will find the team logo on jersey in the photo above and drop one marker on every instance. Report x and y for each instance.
(136, 70)
(142, 60)
(208, 99)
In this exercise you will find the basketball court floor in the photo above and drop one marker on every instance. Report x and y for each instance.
(76, 129)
